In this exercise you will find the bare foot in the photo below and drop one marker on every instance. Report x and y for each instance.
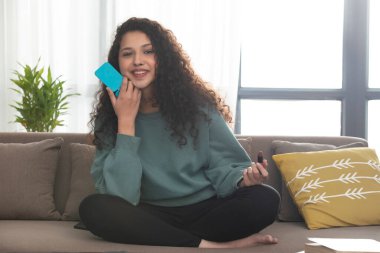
(249, 241)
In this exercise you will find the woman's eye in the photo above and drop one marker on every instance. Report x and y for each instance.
(126, 54)
(149, 51)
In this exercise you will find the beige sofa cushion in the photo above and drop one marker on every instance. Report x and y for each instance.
(81, 184)
(27, 174)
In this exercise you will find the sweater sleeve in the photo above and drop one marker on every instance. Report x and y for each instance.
(227, 158)
(118, 170)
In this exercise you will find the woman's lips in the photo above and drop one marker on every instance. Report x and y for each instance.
(139, 73)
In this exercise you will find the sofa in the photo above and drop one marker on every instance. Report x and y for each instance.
(38, 205)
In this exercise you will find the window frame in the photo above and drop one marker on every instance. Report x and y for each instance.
(354, 94)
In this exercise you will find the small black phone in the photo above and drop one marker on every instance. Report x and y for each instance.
(260, 157)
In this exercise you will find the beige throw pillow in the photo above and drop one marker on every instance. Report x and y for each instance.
(27, 174)
(82, 184)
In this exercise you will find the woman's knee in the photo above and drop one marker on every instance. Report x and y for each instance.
(261, 191)
(273, 195)
(270, 199)
(89, 204)
(97, 207)
(265, 201)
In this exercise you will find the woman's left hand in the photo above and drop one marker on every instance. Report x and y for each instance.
(255, 174)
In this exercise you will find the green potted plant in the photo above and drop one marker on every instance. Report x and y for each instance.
(43, 101)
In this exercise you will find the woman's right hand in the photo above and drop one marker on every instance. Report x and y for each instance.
(257, 173)
(126, 106)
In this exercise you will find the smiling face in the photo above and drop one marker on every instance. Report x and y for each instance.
(137, 59)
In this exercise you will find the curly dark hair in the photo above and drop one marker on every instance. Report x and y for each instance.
(178, 91)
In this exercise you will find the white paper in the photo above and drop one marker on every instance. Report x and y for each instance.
(351, 245)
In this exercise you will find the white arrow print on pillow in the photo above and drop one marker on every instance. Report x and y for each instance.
(306, 172)
(349, 178)
(338, 164)
(374, 165)
(346, 179)
(350, 193)
(311, 185)
(355, 193)
(317, 198)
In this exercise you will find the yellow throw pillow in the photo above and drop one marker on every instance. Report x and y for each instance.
(334, 188)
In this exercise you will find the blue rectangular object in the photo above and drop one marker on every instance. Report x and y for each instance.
(110, 77)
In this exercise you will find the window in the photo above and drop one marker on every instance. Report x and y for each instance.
(374, 76)
(374, 124)
(288, 45)
(312, 63)
(290, 117)
(374, 45)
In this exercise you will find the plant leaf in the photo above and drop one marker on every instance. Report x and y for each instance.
(43, 101)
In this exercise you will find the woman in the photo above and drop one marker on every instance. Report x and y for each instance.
(168, 169)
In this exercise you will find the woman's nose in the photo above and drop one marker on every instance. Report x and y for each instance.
(137, 61)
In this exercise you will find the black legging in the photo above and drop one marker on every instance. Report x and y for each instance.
(245, 212)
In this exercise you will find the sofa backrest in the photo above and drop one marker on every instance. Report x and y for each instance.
(63, 174)
(256, 144)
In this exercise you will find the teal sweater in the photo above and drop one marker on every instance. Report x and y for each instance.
(151, 168)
